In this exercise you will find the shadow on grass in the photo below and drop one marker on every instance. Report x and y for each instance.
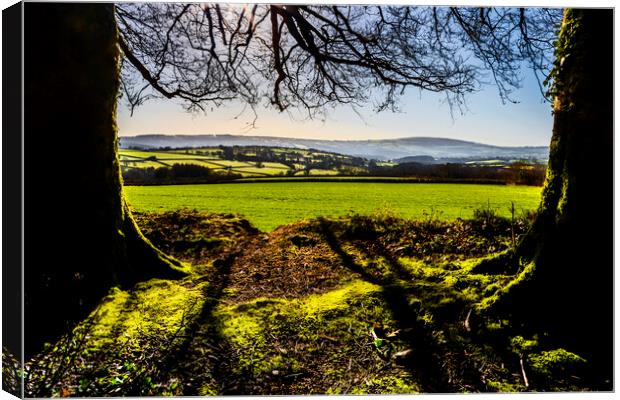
(205, 357)
(426, 365)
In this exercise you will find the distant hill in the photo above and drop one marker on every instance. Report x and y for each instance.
(382, 149)
(416, 159)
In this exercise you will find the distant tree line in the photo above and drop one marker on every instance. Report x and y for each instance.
(310, 158)
(518, 173)
(291, 157)
(175, 174)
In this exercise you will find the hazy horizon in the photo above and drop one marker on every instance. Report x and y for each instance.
(339, 140)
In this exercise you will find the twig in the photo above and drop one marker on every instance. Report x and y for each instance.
(527, 383)
(294, 375)
(466, 323)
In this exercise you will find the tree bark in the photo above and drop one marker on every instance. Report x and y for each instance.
(564, 280)
(80, 238)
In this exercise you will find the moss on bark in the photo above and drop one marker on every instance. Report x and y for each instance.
(80, 238)
(565, 262)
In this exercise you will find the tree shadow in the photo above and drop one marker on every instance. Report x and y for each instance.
(199, 360)
(426, 365)
(460, 370)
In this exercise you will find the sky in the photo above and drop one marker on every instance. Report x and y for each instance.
(486, 119)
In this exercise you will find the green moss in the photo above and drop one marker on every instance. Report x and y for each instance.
(208, 390)
(504, 295)
(505, 387)
(388, 384)
(470, 263)
(521, 346)
(336, 300)
(159, 306)
(244, 323)
(450, 281)
(494, 326)
(278, 365)
(490, 290)
(451, 284)
(260, 329)
(334, 391)
(422, 270)
(554, 364)
(428, 319)
(229, 291)
(565, 47)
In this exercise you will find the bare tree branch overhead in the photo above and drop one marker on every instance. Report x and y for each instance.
(311, 57)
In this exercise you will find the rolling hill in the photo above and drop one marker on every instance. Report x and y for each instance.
(383, 149)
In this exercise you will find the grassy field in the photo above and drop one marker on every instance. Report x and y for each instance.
(269, 205)
(213, 158)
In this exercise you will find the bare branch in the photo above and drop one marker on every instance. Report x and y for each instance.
(314, 57)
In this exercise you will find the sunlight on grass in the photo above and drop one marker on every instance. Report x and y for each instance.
(269, 205)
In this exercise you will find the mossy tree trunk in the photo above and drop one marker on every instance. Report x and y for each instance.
(80, 238)
(565, 277)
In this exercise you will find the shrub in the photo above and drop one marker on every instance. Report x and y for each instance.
(489, 221)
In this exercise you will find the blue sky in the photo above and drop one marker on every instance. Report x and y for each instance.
(486, 120)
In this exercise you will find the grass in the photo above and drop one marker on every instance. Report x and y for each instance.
(261, 171)
(233, 163)
(318, 172)
(274, 165)
(269, 205)
(143, 164)
(214, 164)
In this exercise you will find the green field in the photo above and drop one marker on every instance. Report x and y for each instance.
(212, 158)
(268, 205)
(320, 172)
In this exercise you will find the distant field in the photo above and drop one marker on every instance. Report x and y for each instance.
(144, 164)
(269, 205)
(321, 172)
(213, 158)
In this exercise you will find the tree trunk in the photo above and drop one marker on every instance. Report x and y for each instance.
(565, 263)
(80, 238)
